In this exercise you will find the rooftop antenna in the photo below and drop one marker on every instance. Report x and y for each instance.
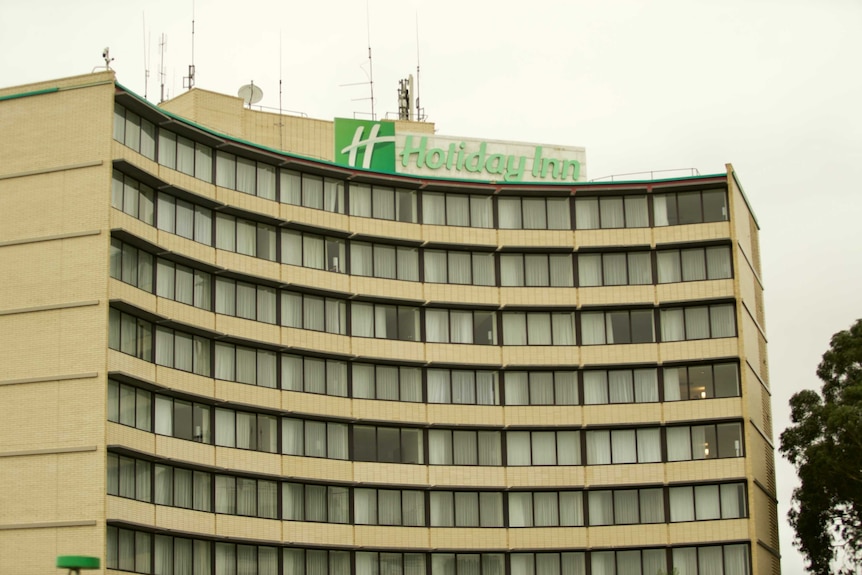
(370, 68)
(163, 45)
(189, 81)
(250, 94)
(420, 111)
(146, 56)
(280, 112)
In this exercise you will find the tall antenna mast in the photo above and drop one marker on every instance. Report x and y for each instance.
(420, 112)
(163, 44)
(146, 56)
(370, 68)
(280, 113)
(189, 81)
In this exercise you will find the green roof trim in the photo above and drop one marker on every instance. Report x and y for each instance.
(28, 94)
(329, 163)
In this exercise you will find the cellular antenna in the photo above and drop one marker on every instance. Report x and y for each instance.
(163, 45)
(420, 111)
(146, 56)
(370, 68)
(189, 81)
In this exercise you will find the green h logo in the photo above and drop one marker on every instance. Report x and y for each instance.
(365, 144)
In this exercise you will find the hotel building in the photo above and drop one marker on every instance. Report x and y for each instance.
(223, 349)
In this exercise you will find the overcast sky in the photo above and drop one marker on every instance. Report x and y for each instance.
(771, 86)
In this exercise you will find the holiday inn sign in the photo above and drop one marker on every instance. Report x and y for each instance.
(373, 145)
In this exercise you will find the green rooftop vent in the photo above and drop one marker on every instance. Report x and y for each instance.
(74, 563)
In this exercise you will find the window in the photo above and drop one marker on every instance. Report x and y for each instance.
(707, 502)
(128, 477)
(303, 561)
(183, 419)
(463, 386)
(130, 335)
(611, 212)
(461, 326)
(372, 562)
(322, 503)
(701, 381)
(388, 444)
(245, 365)
(184, 155)
(312, 191)
(700, 322)
(245, 300)
(626, 506)
(387, 382)
(389, 507)
(245, 237)
(546, 509)
(314, 375)
(690, 207)
(191, 221)
(130, 406)
(457, 210)
(464, 447)
(183, 284)
(313, 438)
(134, 131)
(615, 446)
(131, 265)
(712, 441)
(541, 388)
(543, 448)
(618, 326)
(129, 550)
(531, 563)
(614, 269)
(246, 496)
(459, 267)
(384, 321)
(243, 430)
(183, 351)
(317, 313)
(466, 509)
(132, 197)
(620, 386)
(694, 264)
(384, 261)
(313, 251)
(244, 175)
(180, 487)
(534, 213)
(538, 328)
(382, 202)
(536, 270)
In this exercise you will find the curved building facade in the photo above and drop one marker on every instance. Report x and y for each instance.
(220, 357)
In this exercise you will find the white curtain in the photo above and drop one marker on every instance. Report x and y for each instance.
(490, 509)
(595, 387)
(615, 267)
(457, 210)
(483, 269)
(436, 325)
(672, 383)
(362, 316)
(460, 268)
(509, 213)
(225, 364)
(611, 210)
(598, 447)
(718, 262)
(461, 330)
(383, 203)
(266, 368)
(571, 508)
(384, 261)
(225, 427)
(315, 439)
(636, 212)
(520, 509)
(246, 237)
(292, 439)
(360, 200)
(535, 214)
(601, 508)
(620, 388)
(291, 187)
(336, 378)
(672, 325)
(651, 506)
(586, 213)
(640, 268)
(361, 259)
(678, 444)
(668, 266)
(410, 384)
(246, 430)
(681, 504)
(722, 320)
(561, 274)
(517, 448)
(649, 445)
(593, 328)
(559, 217)
(365, 506)
(693, 264)
(464, 451)
(387, 382)
(481, 211)
(626, 507)
(696, 323)
(629, 563)
(246, 365)
(733, 500)
(736, 559)
(293, 502)
(433, 208)
(487, 389)
(363, 381)
(463, 387)
(435, 266)
(568, 448)
(466, 509)
(408, 264)
(589, 270)
(291, 247)
(709, 561)
(541, 388)
(624, 445)
(646, 385)
(405, 205)
(563, 328)
(490, 452)
(660, 210)
(545, 508)
(442, 512)
(539, 328)
(511, 270)
(544, 446)
(440, 447)
(707, 504)
(565, 388)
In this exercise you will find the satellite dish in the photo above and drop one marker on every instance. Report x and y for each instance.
(250, 94)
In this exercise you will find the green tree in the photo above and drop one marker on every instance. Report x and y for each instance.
(824, 443)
